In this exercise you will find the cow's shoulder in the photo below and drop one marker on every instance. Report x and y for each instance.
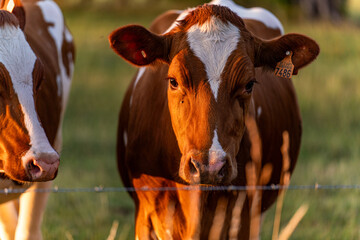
(163, 22)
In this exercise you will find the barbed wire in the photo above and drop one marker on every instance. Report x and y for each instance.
(100, 189)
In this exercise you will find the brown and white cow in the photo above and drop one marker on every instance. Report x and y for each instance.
(36, 66)
(202, 72)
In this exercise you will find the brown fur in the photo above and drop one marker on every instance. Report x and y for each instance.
(14, 137)
(203, 13)
(8, 18)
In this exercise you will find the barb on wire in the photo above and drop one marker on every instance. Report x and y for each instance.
(100, 189)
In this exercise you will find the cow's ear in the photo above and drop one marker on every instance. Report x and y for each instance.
(138, 45)
(16, 7)
(269, 53)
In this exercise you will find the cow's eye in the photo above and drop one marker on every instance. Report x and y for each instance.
(173, 83)
(249, 86)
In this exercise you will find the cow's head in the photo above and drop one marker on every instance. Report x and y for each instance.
(212, 59)
(25, 152)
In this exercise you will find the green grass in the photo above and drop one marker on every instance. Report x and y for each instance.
(329, 96)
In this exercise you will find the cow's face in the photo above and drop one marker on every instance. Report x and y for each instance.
(212, 60)
(25, 152)
(210, 86)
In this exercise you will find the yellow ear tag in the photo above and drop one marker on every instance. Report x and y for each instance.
(285, 68)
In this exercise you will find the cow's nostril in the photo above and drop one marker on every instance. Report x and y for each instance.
(193, 166)
(33, 168)
(222, 172)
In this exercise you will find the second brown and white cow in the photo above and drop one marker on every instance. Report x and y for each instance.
(36, 67)
(202, 72)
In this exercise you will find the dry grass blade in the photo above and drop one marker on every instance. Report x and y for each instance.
(113, 230)
(68, 236)
(255, 176)
(285, 181)
(251, 179)
(219, 219)
(294, 221)
(236, 216)
(256, 148)
(279, 204)
(124, 233)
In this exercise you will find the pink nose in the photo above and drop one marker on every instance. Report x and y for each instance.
(206, 173)
(200, 168)
(42, 166)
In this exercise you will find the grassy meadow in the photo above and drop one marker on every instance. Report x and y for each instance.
(329, 97)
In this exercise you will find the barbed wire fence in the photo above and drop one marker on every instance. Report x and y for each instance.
(100, 189)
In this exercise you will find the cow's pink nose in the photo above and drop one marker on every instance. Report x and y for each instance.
(43, 166)
(207, 173)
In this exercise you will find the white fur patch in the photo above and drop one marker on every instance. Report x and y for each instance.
(68, 36)
(125, 138)
(213, 42)
(216, 149)
(53, 15)
(259, 111)
(259, 14)
(182, 16)
(138, 77)
(19, 60)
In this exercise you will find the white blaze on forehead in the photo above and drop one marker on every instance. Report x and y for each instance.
(19, 60)
(213, 42)
(258, 14)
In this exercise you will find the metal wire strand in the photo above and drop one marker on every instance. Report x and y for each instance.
(100, 189)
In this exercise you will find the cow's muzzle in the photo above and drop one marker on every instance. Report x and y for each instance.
(42, 166)
(206, 168)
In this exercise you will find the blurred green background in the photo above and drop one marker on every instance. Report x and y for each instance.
(329, 97)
